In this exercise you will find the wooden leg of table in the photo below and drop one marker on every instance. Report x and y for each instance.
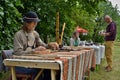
(53, 75)
(13, 73)
(39, 73)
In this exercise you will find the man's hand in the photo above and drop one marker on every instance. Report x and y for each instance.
(105, 34)
(53, 45)
(40, 48)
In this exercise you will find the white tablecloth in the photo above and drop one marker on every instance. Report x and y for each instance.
(100, 50)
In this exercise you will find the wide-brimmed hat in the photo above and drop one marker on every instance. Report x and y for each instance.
(31, 17)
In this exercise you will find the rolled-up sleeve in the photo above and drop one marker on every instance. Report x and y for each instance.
(39, 42)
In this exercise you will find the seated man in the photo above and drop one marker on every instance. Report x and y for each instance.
(27, 40)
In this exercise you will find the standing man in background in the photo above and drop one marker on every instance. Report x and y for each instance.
(110, 36)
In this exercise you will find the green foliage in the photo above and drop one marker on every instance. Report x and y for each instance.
(85, 37)
(5, 75)
(91, 5)
(97, 38)
(9, 22)
(72, 12)
(105, 8)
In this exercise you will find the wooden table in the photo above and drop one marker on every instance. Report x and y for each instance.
(32, 64)
(80, 59)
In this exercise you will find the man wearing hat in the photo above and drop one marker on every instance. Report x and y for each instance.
(27, 40)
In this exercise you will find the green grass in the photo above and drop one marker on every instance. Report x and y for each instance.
(4, 75)
(100, 74)
(115, 73)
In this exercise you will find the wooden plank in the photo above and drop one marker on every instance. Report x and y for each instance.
(42, 57)
(29, 64)
(61, 36)
(39, 73)
(13, 73)
(53, 75)
(57, 27)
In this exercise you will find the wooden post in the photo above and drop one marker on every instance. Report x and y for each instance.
(39, 73)
(53, 75)
(13, 73)
(61, 37)
(57, 27)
